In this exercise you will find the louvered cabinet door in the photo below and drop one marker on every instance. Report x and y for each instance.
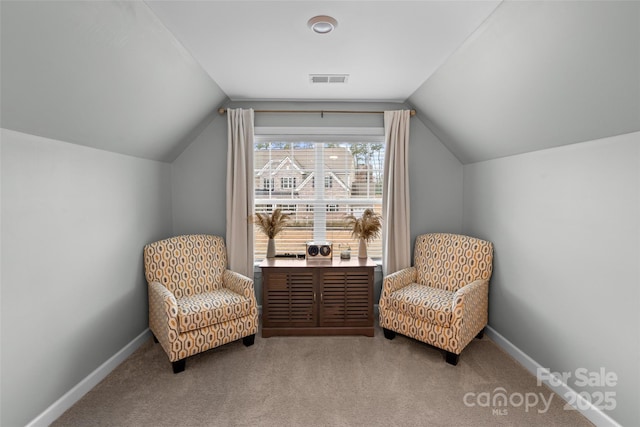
(304, 298)
(289, 298)
(346, 297)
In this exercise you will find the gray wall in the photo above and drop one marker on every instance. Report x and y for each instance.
(74, 221)
(566, 227)
(199, 180)
(199, 173)
(435, 177)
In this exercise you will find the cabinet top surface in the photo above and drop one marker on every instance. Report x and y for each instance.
(334, 262)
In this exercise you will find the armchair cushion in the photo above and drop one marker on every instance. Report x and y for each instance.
(209, 308)
(422, 302)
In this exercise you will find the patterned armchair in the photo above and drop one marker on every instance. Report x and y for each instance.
(443, 299)
(195, 303)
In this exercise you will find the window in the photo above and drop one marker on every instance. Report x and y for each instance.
(328, 182)
(351, 169)
(267, 183)
(264, 208)
(288, 209)
(287, 182)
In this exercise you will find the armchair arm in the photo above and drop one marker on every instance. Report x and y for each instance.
(163, 314)
(470, 309)
(238, 283)
(398, 280)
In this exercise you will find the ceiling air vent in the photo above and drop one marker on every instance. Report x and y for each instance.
(328, 78)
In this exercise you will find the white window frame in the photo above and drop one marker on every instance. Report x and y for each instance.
(328, 181)
(268, 184)
(287, 182)
(372, 135)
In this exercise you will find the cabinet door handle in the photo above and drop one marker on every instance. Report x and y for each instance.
(321, 298)
(314, 297)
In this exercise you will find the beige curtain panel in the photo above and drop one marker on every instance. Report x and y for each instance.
(396, 238)
(240, 191)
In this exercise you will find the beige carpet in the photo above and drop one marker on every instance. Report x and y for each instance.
(321, 381)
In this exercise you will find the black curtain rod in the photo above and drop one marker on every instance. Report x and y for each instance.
(411, 112)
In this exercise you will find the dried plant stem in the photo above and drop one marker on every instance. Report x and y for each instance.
(272, 224)
(367, 227)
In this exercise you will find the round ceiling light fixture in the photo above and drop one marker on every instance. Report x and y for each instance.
(322, 24)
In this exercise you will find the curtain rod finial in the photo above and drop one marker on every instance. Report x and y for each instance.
(222, 110)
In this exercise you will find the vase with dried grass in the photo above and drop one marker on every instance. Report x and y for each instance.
(271, 226)
(365, 229)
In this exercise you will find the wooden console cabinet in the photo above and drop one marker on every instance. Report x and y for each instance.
(301, 297)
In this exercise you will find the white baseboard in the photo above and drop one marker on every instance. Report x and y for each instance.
(592, 413)
(54, 411)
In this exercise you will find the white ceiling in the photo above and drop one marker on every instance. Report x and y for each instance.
(490, 78)
(265, 50)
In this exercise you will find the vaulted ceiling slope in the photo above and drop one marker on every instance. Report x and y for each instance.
(103, 74)
(538, 74)
(490, 78)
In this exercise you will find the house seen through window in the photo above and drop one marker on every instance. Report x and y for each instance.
(285, 173)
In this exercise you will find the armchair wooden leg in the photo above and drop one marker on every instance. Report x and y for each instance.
(452, 358)
(249, 340)
(480, 334)
(389, 334)
(178, 366)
